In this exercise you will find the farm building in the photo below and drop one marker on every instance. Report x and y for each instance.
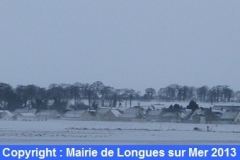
(24, 110)
(131, 114)
(112, 115)
(101, 112)
(226, 108)
(198, 116)
(153, 115)
(230, 117)
(78, 115)
(26, 116)
(168, 117)
(6, 115)
(48, 113)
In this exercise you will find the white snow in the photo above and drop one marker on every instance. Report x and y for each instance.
(105, 132)
(116, 113)
(101, 132)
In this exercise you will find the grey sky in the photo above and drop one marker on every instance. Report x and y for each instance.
(124, 44)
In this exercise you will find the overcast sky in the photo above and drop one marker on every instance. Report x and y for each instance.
(124, 44)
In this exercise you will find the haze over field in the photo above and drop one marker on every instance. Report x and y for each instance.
(132, 44)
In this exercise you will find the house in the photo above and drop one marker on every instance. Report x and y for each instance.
(101, 112)
(112, 115)
(172, 114)
(168, 117)
(6, 115)
(217, 115)
(198, 116)
(143, 110)
(26, 116)
(25, 110)
(78, 115)
(48, 113)
(131, 114)
(226, 108)
(184, 114)
(230, 117)
(153, 115)
(20, 110)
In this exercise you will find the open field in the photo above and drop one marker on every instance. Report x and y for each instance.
(99, 132)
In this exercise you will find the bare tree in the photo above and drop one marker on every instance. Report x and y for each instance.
(202, 93)
(150, 92)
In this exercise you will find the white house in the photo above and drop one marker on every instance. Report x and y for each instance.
(101, 112)
(48, 113)
(130, 114)
(153, 115)
(26, 116)
(112, 115)
(6, 115)
(230, 117)
(78, 115)
(226, 108)
(24, 110)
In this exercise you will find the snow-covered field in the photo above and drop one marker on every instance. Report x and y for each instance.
(99, 132)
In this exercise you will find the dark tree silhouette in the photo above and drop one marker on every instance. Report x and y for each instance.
(150, 92)
(6, 95)
(192, 105)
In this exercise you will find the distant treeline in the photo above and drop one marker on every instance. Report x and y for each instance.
(60, 94)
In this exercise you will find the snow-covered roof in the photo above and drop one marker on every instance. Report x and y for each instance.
(229, 115)
(6, 113)
(226, 107)
(27, 114)
(183, 114)
(74, 113)
(32, 110)
(199, 112)
(21, 110)
(48, 112)
(116, 112)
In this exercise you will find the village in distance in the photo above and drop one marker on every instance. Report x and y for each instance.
(97, 102)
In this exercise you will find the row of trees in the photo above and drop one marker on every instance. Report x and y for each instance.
(175, 92)
(60, 95)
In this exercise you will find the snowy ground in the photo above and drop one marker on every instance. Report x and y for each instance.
(98, 132)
